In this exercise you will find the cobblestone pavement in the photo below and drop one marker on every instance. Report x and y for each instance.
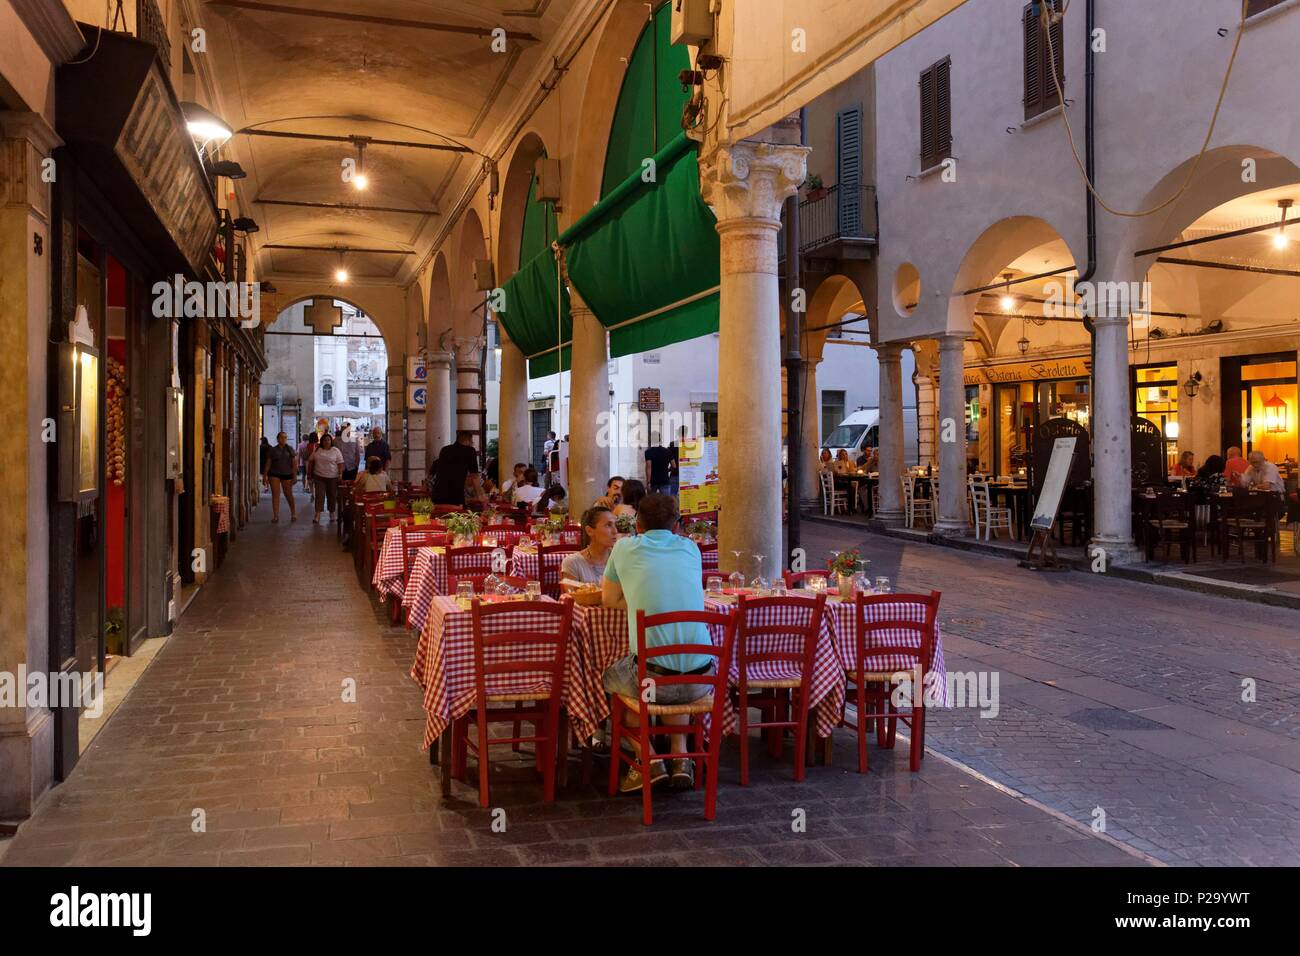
(240, 723)
(1120, 698)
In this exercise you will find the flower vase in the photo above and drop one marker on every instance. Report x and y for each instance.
(844, 582)
(420, 519)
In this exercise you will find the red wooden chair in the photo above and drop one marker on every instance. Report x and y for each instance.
(710, 705)
(468, 561)
(708, 555)
(519, 658)
(549, 559)
(894, 633)
(474, 577)
(775, 657)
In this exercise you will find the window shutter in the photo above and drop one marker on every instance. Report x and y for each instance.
(848, 141)
(1050, 97)
(943, 109)
(1259, 6)
(1033, 65)
(929, 148)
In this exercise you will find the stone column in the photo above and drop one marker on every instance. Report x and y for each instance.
(891, 434)
(810, 423)
(746, 183)
(440, 410)
(951, 436)
(588, 408)
(26, 734)
(512, 409)
(1112, 458)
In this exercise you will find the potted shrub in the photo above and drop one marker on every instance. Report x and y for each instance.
(843, 565)
(463, 527)
(701, 531)
(814, 188)
(422, 511)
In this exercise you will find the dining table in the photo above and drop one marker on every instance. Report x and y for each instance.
(1015, 495)
(443, 666)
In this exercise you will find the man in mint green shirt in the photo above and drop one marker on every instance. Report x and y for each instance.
(658, 571)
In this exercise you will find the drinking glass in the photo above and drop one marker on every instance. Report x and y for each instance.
(714, 584)
(882, 585)
(492, 584)
(816, 583)
(861, 585)
(533, 590)
(465, 591)
(777, 588)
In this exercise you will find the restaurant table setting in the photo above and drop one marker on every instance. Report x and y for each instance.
(443, 665)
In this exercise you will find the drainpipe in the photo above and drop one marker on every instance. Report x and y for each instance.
(1089, 163)
(793, 363)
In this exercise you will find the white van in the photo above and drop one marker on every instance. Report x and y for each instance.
(862, 430)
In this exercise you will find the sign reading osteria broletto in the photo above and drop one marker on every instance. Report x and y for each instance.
(1028, 371)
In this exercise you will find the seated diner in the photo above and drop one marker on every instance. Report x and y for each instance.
(588, 565)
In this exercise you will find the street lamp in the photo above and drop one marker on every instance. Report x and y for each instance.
(1192, 385)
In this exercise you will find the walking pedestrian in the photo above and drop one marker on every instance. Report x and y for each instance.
(327, 466)
(351, 449)
(278, 472)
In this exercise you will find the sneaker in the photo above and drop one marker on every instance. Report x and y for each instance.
(632, 781)
(683, 774)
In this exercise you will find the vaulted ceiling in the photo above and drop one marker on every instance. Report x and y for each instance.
(422, 71)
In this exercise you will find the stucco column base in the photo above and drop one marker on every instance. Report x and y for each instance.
(588, 408)
(1116, 551)
(746, 183)
(890, 465)
(951, 438)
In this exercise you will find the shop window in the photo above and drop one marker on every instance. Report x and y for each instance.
(709, 412)
(1155, 398)
(1269, 403)
(832, 410)
(354, 401)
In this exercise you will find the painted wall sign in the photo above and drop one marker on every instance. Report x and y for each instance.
(1028, 371)
(156, 150)
(649, 400)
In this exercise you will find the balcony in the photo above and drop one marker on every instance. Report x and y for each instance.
(842, 224)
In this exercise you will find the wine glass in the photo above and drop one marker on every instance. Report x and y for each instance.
(737, 578)
(759, 583)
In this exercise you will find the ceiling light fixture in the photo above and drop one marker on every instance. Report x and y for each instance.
(1280, 241)
(341, 273)
(207, 129)
(1008, 300)
(359, 178)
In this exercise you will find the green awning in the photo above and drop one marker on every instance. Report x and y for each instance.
(645, 258)
(528, 312)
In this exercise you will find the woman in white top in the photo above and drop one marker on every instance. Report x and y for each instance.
(327, 467)
(526, 492)
(588, 565)
(374, 478)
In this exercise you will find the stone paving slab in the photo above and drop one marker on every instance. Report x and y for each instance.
(241, 723)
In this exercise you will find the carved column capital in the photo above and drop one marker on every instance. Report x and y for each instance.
(750, 180)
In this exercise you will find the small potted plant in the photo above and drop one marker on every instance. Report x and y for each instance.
(626, 524)
(701, 531)
(422, 511)
(815, 189)
(463, 526)
(843, 565)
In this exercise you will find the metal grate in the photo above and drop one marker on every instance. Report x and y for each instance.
(151, 28)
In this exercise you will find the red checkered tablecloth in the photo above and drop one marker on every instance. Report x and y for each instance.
(221, 505)
(391, 566)
(428, 580)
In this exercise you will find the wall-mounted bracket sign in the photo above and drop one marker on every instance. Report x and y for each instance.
(649, 400)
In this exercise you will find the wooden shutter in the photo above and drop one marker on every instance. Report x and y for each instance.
(848, 177)
(1040, 87)
(929, 150)
(1259, 6)
(943, 107)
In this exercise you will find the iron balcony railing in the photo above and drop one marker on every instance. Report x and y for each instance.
(150, 27)
(842, 215)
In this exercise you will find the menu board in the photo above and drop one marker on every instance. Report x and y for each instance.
(1049, 499)
(697, 465)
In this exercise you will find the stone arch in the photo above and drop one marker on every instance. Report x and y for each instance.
(586, 164)
(514, 200)
(467, 319)
(440, 304)
(391, 326)
(836, 296)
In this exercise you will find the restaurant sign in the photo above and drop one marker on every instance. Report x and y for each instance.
(1028, 371)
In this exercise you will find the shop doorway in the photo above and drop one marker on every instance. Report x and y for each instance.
(1259, 407)
(540, 424)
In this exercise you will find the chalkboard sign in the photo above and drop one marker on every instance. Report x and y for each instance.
(1150, 466)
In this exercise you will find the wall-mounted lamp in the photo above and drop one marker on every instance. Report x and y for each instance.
(1275, 415)
(244, 224)
(341, 272)
(1008, 301)
(208, 130)
(1192, 385)
(1280, 241)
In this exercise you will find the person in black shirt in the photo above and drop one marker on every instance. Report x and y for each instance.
(657, 475)
(457, 463)
(378, 448)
